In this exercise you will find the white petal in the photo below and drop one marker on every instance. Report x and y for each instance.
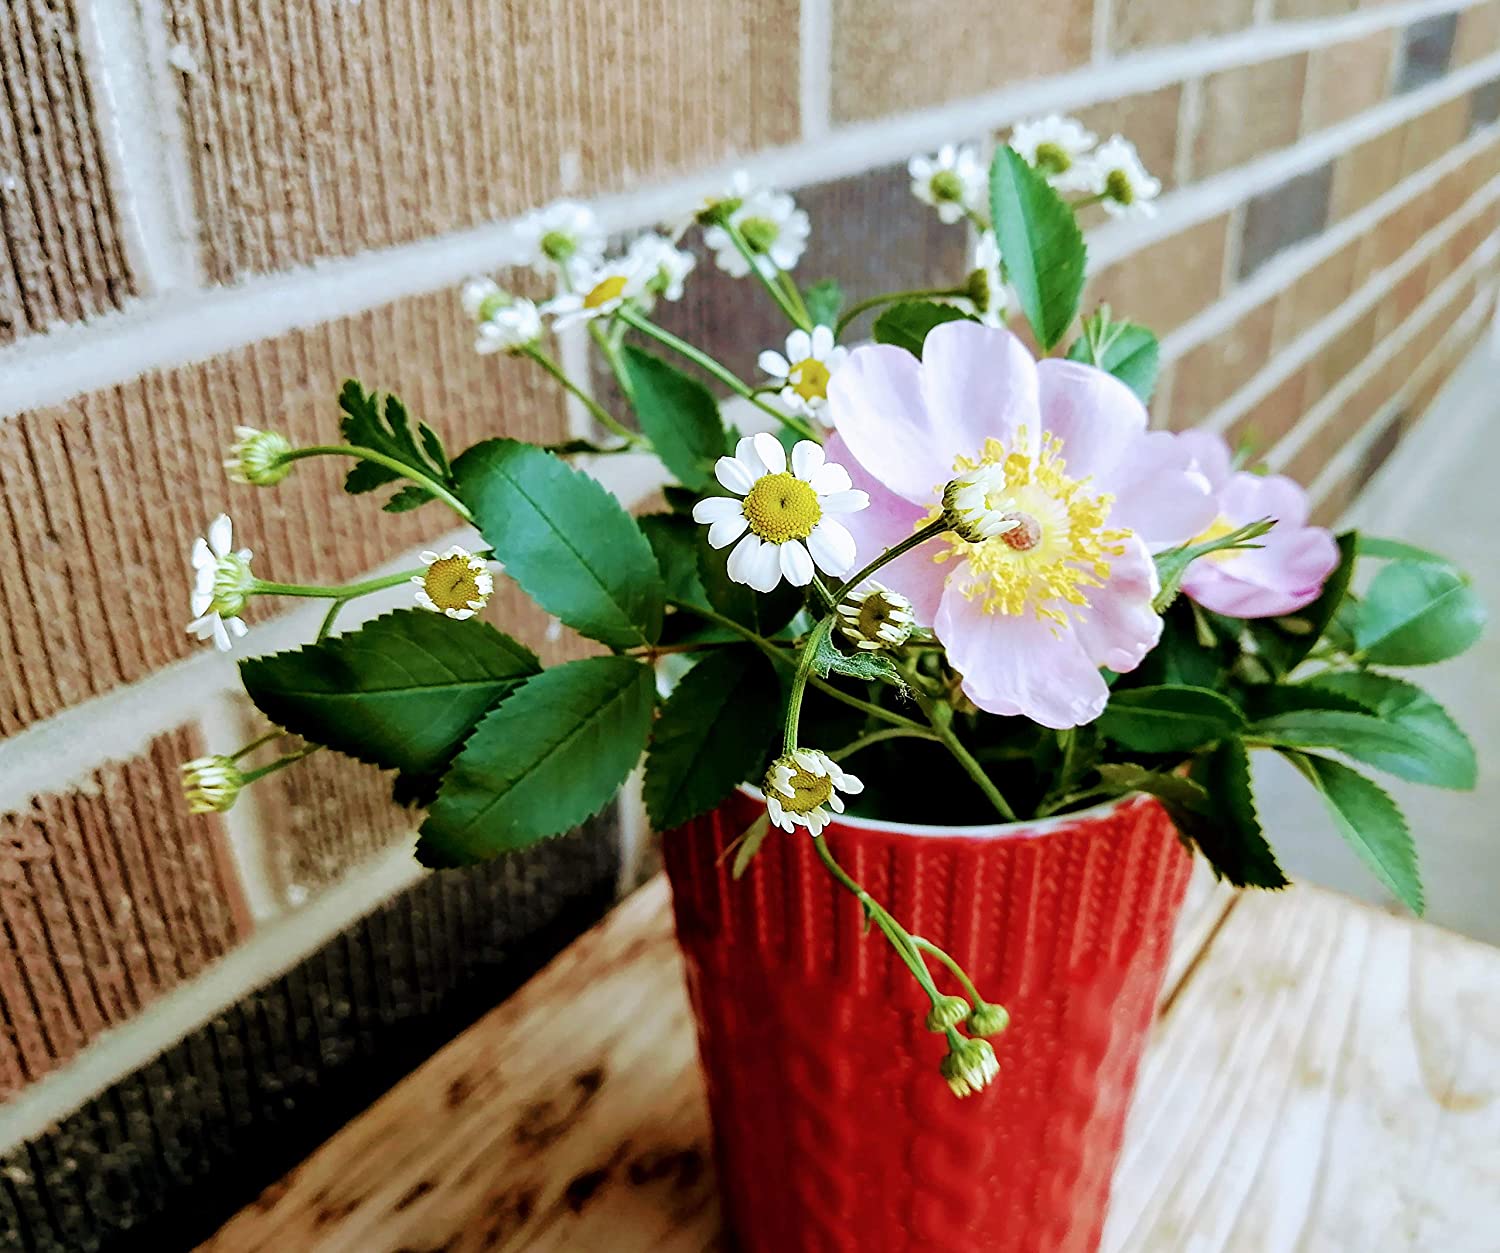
(807, 459)
(735, 475)
(221, 636)
(773, 807)
(424, 601)
(832, 547)
(795, 563)
(799, 346)
(200, 603)
(203, 558)
(745, 453)
(765, 568)
(202, 627)
(221, 535)
(809, 761)
(714, 508)
(738, 567)
(774, 364)
(851, 501)
(771, 452)
(852, 785)
(427, 556)
(830, 478)
(836, 802)
(822, 342)
(237, 626)
(816, 821)
(726, 530)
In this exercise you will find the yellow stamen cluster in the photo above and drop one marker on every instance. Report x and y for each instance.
(781, 507)
(452, 582)
(809, 379)
(603, 292)
(809, 790)
(1067, 548)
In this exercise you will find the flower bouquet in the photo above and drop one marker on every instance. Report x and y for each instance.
(933, 635)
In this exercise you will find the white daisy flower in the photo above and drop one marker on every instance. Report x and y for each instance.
(222, 583)
(598, 293)
(953, 182)
(480, 296)
(211, 784)
(256, 457)
(510, 328)
(735, 192)
(785, 513)
(773, 227)
(1122, 180)
(456, 583)
(1057, 146)
(804, 373)
(565, 236)
(873, 617)
(664, 265)
(801, 788)
(988, 290)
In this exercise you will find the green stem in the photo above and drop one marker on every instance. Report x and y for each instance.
(720, 372)
(1047, 808)
(963, 756)
(794, 296)
(275, 733)
(280, 763)
(875, 737)
(777, 293)
(890, 298)
(889, 555)
(347, 591)
(958, 972)
(390, 463)
(328, 619)
(800, 677)
(611, 351)
(602, 415)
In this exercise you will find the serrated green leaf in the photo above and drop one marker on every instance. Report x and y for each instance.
(679, 415)
(714, 733)
(764, 613)
(409, 497)
(1168, 719)
(908, 324)
(674, 539)
(1125, 777)
(1367, 738)
(402, 692)
(1416, 614)
(364, 426)
(1284, 643)
(1040, 241)
(548, 758)
(1383, 549)
(827, 659)
(565, 540)
(1370, 821)
(824, 299)
(1226, 827)
(1129, 352)
(1436, 749)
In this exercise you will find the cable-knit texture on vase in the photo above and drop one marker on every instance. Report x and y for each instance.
(833, 1128)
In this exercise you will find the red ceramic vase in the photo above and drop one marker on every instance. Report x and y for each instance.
(833, 1128)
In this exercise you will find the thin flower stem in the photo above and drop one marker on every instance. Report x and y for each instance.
(250, 776)
(963, 756)
(794, 296)
(778, 294)
(390, 463)
(822, 590)
(602, 415)
(958, 972)
(720, 372)
(611, 351)
(347, 591)
(803, 673)
(890, 298)
(1047, 808)
(876, 737)
(889, 555)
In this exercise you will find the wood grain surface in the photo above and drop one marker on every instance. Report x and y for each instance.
(1323, 1077)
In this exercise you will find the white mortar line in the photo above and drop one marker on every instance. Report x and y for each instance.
(815, 70)
(1099, 34)
(1302, 349)
(576, 359)
(267, 953)
(123, 48)
(1301, 258)
(182, 328)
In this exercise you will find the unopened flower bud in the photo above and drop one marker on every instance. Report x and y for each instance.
(257, 457)
(211, 784)
(977, 288)
(988, 1019)
(967, 509)
(946, 1012)
(969, 1067)
(874, 617)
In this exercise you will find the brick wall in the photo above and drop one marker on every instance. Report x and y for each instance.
(213, 214)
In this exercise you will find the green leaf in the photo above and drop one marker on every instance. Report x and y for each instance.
(713, 733)
(409, 497)
(1367, 738)
(1415, 614)
(863, 664)
(1172, 564)
(1370, 821)
(1398, 550)
(1168, 719)
(401, 692)
(364, 427)
(680, 417)
(1285, 642)
(1226, 828)
(1435, 750)
(551, 756)
(1126, 777)
(674, 539)
(763, 613)
(749, 844)
(1127, 351)
(1041, 244)
(824, 299)
(565, 540)
(908, 324)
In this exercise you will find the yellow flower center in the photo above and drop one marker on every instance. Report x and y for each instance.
(1117, 187)
(809, 379)
(451, 583)
(781, 507)
(810, 790)
(1061, 548)
(1053, 158)
(610, 289)
(1217, 529)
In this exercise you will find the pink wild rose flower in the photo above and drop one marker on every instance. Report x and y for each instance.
(1060, 452)
(1287, 572)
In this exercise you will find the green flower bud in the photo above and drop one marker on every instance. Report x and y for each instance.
(947, 1011)
(988, 1019)
(256, 457)
(211, 784)
(969, 1067)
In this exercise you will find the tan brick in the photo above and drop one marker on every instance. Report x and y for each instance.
(1366, 172)
(1401, 301)
(63, 259)
(1151, 23)
(1388, 241)
(104, 494)
(1163, 285)
(1149, 120)
(306, 142)
(111, 894)
(1345, 79)
(1428, 137)
(1272, 417)
(1212, 372)
(1295, 10)
(1316, 294)
(891, 55)
(1478, 34)
(1247, 112)
(1339, 356)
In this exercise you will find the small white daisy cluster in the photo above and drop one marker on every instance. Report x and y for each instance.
(774, 229)
(780, 513)
(502, 322)
(222, 582)
(1064, 150)
(456, 583)
(803, 374)
(803, 786)
(954, 182)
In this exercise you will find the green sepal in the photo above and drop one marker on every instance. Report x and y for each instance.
(1129, 352)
